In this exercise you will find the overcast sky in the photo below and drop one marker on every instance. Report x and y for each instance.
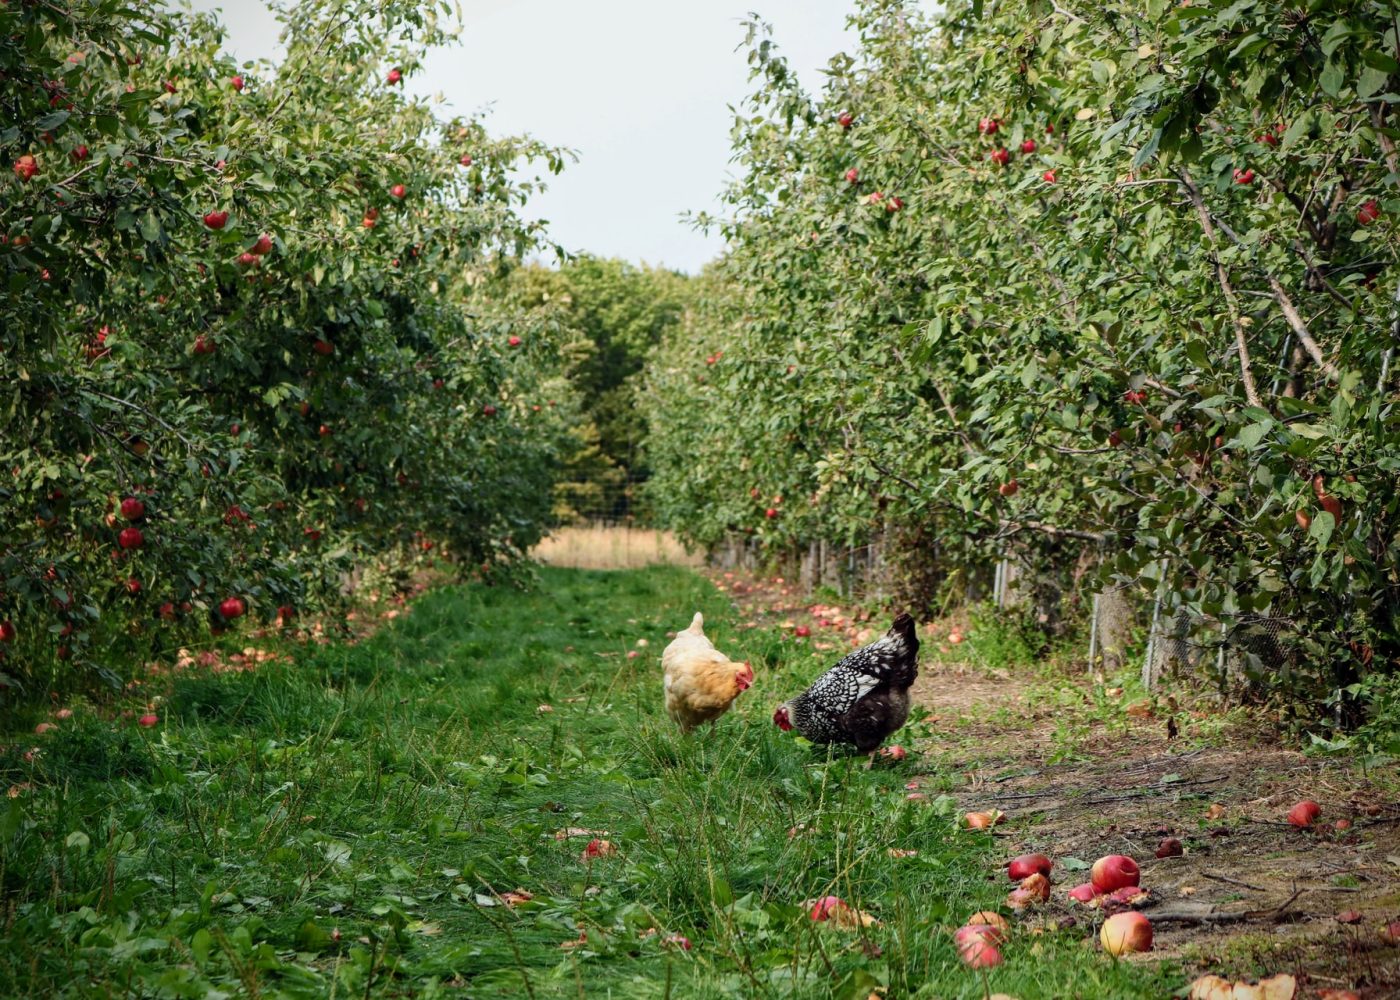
(639, 88)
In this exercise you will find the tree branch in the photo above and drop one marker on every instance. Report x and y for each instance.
(1300, 329)
(1241, 345)
(1392, 158)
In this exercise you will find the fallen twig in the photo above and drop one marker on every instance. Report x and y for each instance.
(1233, 881)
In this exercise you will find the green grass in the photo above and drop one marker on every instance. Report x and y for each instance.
(341, 825)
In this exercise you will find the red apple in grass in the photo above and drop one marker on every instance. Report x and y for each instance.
(80, 153)
(894, 204)
(802, 631)
(263, 245)
(988, 126)
(514, 341)
(133, 586)
(823, 909)
(26, 167)
(852, 175)
(488, 410)
(976, 943)
(398, 190)
(1170, 847)
(1027, 865)
(1048, 177)
(7, 631)
(846, 120)
(131, 538)
(323, 347)
(133, 509)
(771, 513)
(148, 720)
(1126, 932)
(1009, 488)
(1116, 871)
(1245, 176)
(465, 160)
(395, 76)
(1369, 212)
(236, 83)
(1001, 156)
(1304, 814)
(204, 344)
(1028, 146)
(216, 220)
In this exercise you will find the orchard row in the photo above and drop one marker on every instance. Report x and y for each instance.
(1109, 293)
(252, 345)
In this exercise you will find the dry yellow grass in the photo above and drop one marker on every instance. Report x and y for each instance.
(603, 546)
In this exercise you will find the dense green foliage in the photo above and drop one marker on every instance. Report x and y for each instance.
(349, 823)
(612, 314)
(259, 303)
(1105, 288)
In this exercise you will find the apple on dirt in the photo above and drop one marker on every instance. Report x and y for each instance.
(1116, 871)
(1304, 814)
(1126, 932)
(1026, 865)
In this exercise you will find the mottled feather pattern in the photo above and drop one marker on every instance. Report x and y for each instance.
(865, 696)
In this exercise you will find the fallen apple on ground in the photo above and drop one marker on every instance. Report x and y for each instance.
(1126, 932)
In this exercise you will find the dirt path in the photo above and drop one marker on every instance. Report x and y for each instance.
(1081, 772)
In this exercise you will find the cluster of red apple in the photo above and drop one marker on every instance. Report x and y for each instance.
(1001, 156)
(1114, 881)
(893, 203)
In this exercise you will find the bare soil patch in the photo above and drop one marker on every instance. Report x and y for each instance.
(1087, 773)
(1251, 895)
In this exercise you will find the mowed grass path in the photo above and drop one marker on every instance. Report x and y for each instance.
(347, 825)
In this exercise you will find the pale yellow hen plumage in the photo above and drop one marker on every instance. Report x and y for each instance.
(701, 682)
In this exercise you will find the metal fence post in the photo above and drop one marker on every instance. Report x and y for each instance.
(1093, 631)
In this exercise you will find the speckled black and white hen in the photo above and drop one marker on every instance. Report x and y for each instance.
(864, 698)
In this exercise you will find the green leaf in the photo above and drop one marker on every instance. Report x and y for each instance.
(1372, 82)
(1320, 531)
(1249, 437)
(1331, 79)
(77, 840)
